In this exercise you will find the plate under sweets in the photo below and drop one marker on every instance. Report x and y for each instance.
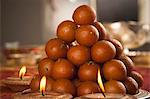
(143, 94)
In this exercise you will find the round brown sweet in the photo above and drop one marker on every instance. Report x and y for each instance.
(114, 70)
(131, 86)
(101, 29)
(138, 78)
(66, 31)
(63, 69)
(84, 15)
(114, 86)
(118, 46)
(88, 71)
(128, 63)
(64, 86)
(78, 54)
(87, 87)
(49, 84)
(103, 51)
(56, 48)
(35, 83)
(86, 35)
(45, 67)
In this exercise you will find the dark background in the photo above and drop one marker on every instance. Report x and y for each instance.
(22, 20)
(116, 10)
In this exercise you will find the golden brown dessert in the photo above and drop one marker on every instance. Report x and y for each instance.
(114, 70)
(88, 71)
(103, 51)
(63, 69)
(66, 31)
(87, 35)
(56, 48)
(78, 54)
(114, 86)
(45, 67)
(84, 15)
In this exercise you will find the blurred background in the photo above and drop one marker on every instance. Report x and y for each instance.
(26, 25)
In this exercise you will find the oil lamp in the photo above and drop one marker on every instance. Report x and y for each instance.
(19, 83)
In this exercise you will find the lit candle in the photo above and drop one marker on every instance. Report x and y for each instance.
(22, 72)
(19, 83)
(100, 82)
(43, 85)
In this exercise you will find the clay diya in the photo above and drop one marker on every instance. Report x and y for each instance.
(18, 83)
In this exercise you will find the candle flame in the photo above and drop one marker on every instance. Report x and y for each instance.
(22, 72)
(100, 81)
(43, 85)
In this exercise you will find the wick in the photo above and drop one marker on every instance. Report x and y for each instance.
(43, 93)
(102, 92)
(21, 77)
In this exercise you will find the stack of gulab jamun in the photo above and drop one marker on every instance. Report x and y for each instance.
(81, 47)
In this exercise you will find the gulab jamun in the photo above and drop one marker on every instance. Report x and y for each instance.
(87, 87)
(35, 83)
(114, 70)
(114, 86)
(84, 15)
(88, 71)
(86, 35)
(64, 86)
(103, 51)
(66, 31)
(131, 86)
(137, 77)
(101, 29)
(63, 69)
(128, 63)
(56, 48)
(49, 84)
(118, 46)
(45, 67)
(78, 54)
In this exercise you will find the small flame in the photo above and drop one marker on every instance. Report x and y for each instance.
(22, 72)
(100, 81)
(43, 85)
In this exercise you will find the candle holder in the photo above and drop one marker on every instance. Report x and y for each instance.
(16, 84)
(28, 94)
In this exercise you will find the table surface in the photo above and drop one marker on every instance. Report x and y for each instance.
(6, 93)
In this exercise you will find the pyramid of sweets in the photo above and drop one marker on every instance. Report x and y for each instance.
(81, 47)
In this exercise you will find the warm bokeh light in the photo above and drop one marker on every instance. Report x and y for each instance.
(43, 85)
(22, 72)
(100, 81)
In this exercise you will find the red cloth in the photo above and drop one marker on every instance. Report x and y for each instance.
(145, 72)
